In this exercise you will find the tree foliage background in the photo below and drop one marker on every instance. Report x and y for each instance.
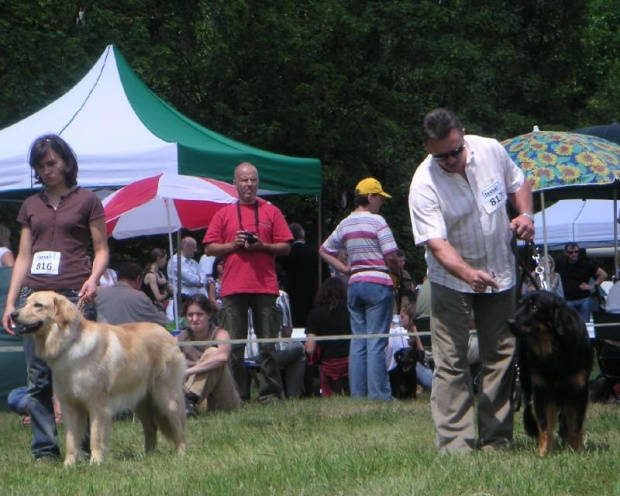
(347, 81)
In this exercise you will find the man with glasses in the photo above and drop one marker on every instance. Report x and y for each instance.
(457, 202)
(576, 275)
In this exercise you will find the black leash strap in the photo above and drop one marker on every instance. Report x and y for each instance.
(525, 273)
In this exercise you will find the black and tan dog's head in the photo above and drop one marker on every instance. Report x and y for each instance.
(541, 313)
(536, 314)
(43, 312)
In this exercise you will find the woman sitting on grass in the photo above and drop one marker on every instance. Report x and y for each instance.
(209, 384)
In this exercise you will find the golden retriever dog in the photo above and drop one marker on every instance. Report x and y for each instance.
(99, 369)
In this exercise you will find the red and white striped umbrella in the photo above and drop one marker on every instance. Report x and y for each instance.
(165, 203)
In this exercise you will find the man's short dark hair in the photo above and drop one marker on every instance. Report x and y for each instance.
(297, 231)
(129, 271)
(572, 244)
(360, 200)
(438, 124)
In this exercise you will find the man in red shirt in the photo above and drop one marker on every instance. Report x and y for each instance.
(248, 235)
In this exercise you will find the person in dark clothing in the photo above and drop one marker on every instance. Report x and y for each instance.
(576, 275)
(302, 275)
(330, 317)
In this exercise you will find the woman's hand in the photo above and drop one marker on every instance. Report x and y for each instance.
(7, 322)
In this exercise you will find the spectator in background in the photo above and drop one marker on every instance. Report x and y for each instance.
(423, 299)
(124, 302)
(248, 235)
(6, 255)
(576, 274)
(155, 284)
(344, 258)
(330, 317)
(214, 284)
(192, 279)
(17, 402)
(209, 384)
(404, 288)
(371, 249)
(555, 281)
(291, 355)
(424, 374)
(108, 278)
(302, 274)
(206, 265)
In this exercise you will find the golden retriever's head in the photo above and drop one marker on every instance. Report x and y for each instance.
(43, 311)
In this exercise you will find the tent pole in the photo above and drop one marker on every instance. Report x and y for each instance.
(319, 224)
(616, 220)
(545, 249)
(174, 287)
(175, 292)
(179, 281)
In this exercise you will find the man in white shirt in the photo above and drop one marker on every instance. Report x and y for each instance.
(457, 203)
(193, 281)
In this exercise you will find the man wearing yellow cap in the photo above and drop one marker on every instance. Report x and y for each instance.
(371, 251)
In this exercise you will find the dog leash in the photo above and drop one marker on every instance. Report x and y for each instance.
(525, 273)
(539, 270)
(81, 305)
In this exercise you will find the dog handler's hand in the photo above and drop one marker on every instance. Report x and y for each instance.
(88, 291)
(523, 225)
(480, 280)
(7, 322)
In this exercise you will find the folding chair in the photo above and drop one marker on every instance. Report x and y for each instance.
(607, 346)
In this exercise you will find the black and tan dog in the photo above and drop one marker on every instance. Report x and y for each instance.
(555, 360)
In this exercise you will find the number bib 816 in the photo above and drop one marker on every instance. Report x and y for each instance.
(45, 262)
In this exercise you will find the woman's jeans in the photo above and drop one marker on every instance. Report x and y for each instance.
(40, 403)
(370, 306)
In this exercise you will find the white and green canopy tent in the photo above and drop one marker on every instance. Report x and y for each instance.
(121, 132)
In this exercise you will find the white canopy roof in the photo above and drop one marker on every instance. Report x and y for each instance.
(587, 222)
(96, 119)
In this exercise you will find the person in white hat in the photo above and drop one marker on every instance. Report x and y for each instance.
(371, 251)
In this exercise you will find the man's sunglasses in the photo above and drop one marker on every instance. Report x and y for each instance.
(572, 251)
(454, 153)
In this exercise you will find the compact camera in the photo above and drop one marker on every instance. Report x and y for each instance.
(250, 237)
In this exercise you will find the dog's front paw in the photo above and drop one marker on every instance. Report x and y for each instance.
(96, 459)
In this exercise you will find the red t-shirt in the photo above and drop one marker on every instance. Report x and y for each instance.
(249, 271)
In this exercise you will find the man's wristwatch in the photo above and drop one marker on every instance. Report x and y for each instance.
(528, 215)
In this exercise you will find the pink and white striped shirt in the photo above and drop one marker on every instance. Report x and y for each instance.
(367, 238)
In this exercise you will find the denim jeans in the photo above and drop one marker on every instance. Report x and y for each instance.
(370, 306)
(583, 306)
(40, 403)
(18, 400)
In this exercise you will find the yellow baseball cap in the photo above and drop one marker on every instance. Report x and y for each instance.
(370, 186)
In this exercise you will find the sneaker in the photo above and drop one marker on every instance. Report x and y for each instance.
(191, 402)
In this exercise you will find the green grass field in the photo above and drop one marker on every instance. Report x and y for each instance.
(318, 447)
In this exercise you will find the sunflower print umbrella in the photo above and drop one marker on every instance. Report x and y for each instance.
(553, 160)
